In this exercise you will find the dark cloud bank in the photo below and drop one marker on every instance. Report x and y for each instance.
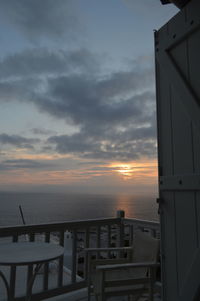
(18, 141)
(115, 112)
(37, 19)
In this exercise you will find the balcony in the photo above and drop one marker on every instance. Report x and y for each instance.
(66, 278)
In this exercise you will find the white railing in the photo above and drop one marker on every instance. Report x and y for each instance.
(75, 237)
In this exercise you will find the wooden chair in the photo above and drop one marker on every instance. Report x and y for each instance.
(131, 276)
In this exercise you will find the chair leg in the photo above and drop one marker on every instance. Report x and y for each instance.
(150, 293)
(151, 285)
(96, 297)
(102, 298)
(89, 292)
(102, 284)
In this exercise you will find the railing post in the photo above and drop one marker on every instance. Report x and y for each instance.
(61, 260)
(74, 256)
(121, 215)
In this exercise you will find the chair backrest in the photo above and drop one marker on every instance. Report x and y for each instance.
(145, 247)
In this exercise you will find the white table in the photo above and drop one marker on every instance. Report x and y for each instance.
(27, 253)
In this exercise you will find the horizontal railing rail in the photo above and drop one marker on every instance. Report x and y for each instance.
(51, 227)
(37, 228)
(142, 223)
(75, 236)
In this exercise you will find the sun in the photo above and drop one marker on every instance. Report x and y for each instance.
(125, 170)
(141, 171)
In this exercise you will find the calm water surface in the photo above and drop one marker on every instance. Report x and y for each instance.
(52, 207)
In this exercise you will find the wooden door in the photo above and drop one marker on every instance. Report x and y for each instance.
(177, 53)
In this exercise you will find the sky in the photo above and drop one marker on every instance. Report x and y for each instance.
(77, 95)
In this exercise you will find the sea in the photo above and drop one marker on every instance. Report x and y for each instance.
(57, 207)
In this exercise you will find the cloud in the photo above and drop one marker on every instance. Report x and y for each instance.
(38, 19)
(121, 83)
(22, 164)
(92, 163)
(82, 100)
(116, 121)
(116, 147)
(42, 131)
(18, 141)
(42, 61)
(18, 89)
(115, 112)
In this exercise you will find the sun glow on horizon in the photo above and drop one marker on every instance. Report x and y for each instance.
(135, 169)
(126, 170)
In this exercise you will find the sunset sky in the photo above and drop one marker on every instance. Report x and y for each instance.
(77, 95)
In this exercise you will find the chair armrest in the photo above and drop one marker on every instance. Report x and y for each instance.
(127, 265)
(90, 250)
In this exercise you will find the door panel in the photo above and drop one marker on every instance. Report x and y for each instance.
(177, 46)
(168, 254)
(181, 137)
(186, 235)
